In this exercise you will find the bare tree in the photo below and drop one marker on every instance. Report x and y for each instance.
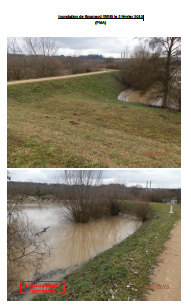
(44, 46)
(41, 51)
(169, 50)
(82, 194)
(137, 69)
(26, 249)
(13, 46)
(16, 61)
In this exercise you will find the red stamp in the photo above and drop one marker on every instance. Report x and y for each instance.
(42, 287)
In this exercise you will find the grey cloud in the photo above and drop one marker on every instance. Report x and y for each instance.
(100, 45)
(159, 177)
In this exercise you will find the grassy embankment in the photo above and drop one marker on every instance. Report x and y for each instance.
(128, 263)
(79, 122)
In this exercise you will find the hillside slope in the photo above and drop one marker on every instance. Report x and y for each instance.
(79, 122)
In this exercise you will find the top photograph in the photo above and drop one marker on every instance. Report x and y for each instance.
(90, 102)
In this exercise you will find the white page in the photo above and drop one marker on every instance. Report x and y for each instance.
(163, 18)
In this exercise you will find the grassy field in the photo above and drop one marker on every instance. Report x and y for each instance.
(79, 123)
(129, 263)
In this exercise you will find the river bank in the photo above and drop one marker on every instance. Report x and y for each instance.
(122, 272)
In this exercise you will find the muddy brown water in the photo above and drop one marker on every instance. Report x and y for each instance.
(74, 243)
(130, 95)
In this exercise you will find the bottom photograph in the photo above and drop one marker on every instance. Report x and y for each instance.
(94, 235)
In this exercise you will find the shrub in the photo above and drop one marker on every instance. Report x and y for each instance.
(142, 210)
(138, 209)
(112, 199)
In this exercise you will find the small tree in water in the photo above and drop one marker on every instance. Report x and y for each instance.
(83, 200)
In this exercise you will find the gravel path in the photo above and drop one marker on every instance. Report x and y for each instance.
(54, 78)
(169, 270)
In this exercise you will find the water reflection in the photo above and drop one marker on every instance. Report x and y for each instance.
(76, 243)
(130, 95)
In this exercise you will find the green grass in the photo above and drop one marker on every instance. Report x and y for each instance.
(127, 263)
(79, 122)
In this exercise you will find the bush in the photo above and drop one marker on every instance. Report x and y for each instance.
(154, 196)
(114, 207)
(142, 210)
(138, 209)
(112, 199)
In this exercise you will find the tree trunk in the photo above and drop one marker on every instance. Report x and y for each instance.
(167, 75)
(166, 83)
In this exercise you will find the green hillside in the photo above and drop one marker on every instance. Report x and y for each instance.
(79, 122)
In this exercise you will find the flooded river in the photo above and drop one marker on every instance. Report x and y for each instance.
(130, 95)
(76, 243)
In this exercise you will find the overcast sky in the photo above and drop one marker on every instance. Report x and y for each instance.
(160, 178)
(108, 47)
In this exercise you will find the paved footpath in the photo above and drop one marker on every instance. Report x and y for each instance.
(168, 272)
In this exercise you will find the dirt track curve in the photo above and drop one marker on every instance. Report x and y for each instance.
(168, 273)
(54, 78)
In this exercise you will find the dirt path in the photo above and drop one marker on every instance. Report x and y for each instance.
(54, 78)
(169, 270)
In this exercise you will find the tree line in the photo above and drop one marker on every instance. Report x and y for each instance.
(35, 57)
(62, 191)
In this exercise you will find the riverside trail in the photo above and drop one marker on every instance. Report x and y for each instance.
(168, 272)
